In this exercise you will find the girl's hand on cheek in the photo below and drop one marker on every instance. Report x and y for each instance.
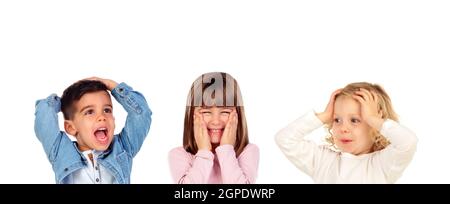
(229, 134)
(201, 132)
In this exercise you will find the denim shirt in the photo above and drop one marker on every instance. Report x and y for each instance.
(64, 154)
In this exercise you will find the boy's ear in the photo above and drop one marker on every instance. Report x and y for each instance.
(70, 128)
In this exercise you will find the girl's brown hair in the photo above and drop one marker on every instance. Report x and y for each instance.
(214, 89)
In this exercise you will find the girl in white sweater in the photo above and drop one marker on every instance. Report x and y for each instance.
(367, 144)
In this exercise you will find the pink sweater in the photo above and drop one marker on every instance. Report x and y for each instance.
(208, 168)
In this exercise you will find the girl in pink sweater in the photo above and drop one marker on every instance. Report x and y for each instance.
(215, 148)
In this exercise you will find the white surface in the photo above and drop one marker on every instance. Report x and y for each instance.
(288, 56)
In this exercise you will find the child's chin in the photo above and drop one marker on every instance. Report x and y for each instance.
(101, 147)
(215, 139)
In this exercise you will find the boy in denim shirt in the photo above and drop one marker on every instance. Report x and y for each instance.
(98, 156)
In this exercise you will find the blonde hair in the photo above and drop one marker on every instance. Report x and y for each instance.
(214, 89)
(384, 106)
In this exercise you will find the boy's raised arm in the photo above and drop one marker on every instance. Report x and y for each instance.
(138, 119)
(46, 124)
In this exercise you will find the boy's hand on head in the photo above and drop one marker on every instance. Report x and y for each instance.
(369, 108)
(229, 134)
(110, 84)
(327, 115)
(201, 132)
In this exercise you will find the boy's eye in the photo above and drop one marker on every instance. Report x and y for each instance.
(336, 120)
(225, 112)
(108, 110)
(355, 120)
(89, 112)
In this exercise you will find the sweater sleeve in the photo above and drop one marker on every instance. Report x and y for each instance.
(301, 152)
(396, 156)
(241, 170)
(190, 169)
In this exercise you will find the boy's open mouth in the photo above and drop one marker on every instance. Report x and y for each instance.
(101, 134)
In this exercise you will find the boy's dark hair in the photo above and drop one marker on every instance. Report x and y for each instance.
(74, 92)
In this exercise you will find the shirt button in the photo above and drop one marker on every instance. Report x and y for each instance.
(96, 167)
(66, 169)
(97, 180)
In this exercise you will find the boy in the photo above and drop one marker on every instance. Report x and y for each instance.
(97, 156)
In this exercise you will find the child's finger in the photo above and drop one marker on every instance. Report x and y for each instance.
(232, 118)
(359, 98)
(197, 114)
(330, 104)
(234, 122)
(363, 95)
(377, 99)
(92, 78)
(226, 131)
(197, 110)
(197, 129)
(227, 128)
(333, 95)
(196, 118)
(236, 118)
(204, 130)
(336, 92)
(368, 94)
(375, 96)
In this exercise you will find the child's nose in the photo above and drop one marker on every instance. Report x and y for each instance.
(101, 117)
(345, 128)
(215, 120)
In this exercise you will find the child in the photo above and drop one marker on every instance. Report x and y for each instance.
(372, 146)
(97, 156)
(215, 142)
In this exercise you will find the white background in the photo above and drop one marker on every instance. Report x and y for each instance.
(288, 56)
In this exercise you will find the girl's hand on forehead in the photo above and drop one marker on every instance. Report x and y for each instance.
(229, 134)
(327, 115)
(370, 111)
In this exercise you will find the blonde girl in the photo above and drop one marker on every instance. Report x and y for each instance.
(367, 144)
